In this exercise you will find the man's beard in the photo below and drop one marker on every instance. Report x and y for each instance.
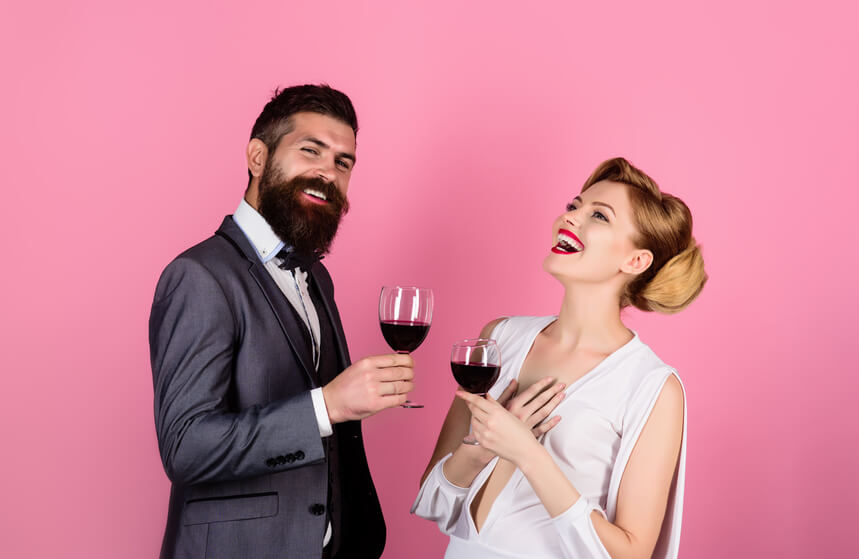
(300, 223)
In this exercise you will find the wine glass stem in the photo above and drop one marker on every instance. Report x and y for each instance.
(408, 403)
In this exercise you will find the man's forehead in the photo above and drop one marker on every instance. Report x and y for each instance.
(309, 122)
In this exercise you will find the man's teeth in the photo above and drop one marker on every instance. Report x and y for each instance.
(569, 244)
(315, 194)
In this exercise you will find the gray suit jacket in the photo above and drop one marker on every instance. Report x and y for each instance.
(236, 428)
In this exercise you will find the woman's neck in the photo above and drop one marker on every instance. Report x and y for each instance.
(590, 319)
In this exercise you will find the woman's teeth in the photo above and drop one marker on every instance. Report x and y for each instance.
(568, 244)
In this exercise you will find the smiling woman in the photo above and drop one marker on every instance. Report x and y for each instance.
(607, 481)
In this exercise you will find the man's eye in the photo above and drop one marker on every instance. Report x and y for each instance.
(310, 150)
(343, 164)
(599, 215)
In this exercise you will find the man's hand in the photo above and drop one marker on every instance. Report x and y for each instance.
(369, 386)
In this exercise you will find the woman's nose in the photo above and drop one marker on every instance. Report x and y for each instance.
(572, 218)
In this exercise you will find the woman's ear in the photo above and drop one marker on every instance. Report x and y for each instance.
(639, 261)
(256, 154)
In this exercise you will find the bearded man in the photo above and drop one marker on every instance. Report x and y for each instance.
(257, 408)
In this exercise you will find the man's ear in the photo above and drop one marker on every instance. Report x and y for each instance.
(639, 261)
(256, 154)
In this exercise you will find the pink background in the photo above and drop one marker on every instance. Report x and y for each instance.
(123, 129)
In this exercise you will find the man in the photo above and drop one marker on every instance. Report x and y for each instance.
(257, 407)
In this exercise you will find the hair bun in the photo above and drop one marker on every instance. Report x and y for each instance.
(677, 283)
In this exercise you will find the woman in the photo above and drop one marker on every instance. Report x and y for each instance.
(607, 481)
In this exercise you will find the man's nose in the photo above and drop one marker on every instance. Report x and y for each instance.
(325, 171)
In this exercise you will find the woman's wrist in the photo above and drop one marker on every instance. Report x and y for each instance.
(532, 458)
(464, 465)
(475, 455)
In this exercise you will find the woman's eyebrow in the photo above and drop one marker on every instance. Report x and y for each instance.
(604, 205)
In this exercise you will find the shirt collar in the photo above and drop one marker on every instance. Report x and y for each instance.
(258, 231)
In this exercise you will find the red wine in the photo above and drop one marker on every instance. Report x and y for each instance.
(476, 379)
(403, 335)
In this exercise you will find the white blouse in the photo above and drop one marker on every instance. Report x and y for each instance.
(604, 412)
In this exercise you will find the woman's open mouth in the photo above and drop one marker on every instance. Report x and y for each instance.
(568, 243)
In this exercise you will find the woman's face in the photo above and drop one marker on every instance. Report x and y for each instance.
(592, 240)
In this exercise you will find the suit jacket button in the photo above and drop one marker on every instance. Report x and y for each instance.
(281, 460)
(317, 509)
(271, 462)
(299, 455)
(290, 458)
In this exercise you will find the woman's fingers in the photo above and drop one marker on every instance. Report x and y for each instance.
(508, 392)
(541, 400)
(544, 405)
(526, 396)
(544, 427)
(476, 404)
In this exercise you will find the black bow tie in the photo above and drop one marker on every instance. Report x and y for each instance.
(292, 259)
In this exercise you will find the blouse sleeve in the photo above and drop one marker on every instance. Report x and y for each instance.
(439, 500)
(578, 537)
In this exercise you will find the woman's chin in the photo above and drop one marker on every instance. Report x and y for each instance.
(553, 264)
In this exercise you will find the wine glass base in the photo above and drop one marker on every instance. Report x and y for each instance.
(470, 440)
(410, 404)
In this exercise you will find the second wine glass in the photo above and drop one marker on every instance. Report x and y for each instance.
(476, 364)
(405, 316)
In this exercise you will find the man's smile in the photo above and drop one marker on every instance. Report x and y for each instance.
(315, 196)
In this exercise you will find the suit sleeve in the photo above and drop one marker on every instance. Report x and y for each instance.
(201, 438)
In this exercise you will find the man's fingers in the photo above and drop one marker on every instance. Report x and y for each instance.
(394, 387)
(391, 360)
(390, 374)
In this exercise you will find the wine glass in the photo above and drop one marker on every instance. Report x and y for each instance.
(405, 315)
(475, 364)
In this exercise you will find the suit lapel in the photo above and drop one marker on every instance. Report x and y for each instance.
(289, 321)
(333, 317)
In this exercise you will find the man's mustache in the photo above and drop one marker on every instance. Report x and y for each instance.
(335, 198)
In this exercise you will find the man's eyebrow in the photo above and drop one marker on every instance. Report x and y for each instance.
(320, 143)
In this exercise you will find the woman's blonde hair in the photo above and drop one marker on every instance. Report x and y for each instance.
(664, 224)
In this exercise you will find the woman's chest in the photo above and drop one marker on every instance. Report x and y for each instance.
(567, 367)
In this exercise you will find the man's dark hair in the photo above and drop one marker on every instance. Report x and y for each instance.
(274, 120)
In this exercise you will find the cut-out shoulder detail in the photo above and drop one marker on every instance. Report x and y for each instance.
(487, 330)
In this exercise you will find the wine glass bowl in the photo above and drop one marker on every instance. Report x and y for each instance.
(405, 316)
(476, 364)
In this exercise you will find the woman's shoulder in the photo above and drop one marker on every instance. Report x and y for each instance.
(643, 359)
(518, 323)
(640, 371)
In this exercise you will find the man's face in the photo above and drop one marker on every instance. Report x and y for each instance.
(302, 190)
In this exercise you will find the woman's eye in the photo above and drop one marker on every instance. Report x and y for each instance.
(599, 215)
(571, 207)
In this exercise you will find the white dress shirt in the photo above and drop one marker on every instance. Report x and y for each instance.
(293, 286)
